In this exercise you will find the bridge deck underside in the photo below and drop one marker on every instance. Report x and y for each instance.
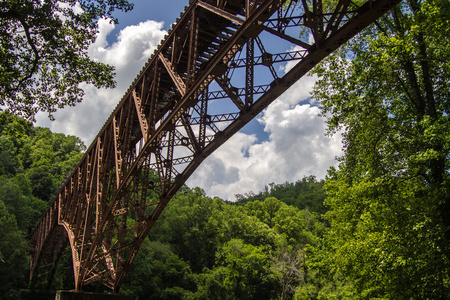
(222, 63)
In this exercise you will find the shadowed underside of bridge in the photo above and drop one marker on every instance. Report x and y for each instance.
(215, 70)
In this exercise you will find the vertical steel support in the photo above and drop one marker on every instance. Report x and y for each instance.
(117, 151)
(154, 98)
(98, 197)
(204, 118)
(192, 55)
(249, 72)
(169, 159)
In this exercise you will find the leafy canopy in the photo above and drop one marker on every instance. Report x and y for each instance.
(388, 92)
(43, 52)
(33, 163)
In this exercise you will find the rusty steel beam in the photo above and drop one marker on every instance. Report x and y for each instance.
(168, 122)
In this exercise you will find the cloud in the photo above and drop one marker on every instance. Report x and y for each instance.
(297, 147)
(130, 52)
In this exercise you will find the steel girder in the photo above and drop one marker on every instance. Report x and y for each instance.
(168, 121)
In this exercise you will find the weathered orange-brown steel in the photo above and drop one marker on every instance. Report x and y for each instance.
(164, 126)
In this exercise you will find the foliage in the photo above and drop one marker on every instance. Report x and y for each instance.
(185, 225)
(34, 162)
(242, 272)
(231, 251)
(13, 255)
(388, 92)
(20, 203)
(307, 193)
(201, 248)
(43, 52)
(159, 273)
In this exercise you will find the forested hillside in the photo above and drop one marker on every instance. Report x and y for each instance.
(205, 248)
(201, 248)
(33, 163)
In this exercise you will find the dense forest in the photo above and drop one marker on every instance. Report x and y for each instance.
(201, 248)
(34, 161)
(378, 227)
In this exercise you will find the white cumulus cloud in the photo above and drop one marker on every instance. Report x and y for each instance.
(130, 52)
(297, 147)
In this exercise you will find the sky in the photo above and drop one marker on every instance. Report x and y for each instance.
(284, 143)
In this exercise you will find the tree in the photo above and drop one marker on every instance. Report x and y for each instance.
(242, 272)
(158, 273)
(288, 269)
(13, 256)
(9, 163)
(185, 225)
(388, 92)
(306, 193)
(43, 52)
(20, 203)
(265, 210)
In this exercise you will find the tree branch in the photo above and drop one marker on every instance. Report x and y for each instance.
(33, 48)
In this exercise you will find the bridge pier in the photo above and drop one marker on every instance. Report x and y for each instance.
(75, 295)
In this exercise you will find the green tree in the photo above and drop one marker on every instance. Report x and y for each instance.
(158, 273)
(297, 227)
(43, 52)
(265, 210)
(186, 225)
(13, 256)
(235, 222)
(9, 163)
(388, 93)
(205, 248)
(18, 200)
(12, 126)
(306, 193)
(32, 164)
(242, 272)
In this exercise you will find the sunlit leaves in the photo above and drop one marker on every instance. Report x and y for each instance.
(43, 53)
(387, 91)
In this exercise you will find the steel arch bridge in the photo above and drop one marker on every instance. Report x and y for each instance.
(216, 69)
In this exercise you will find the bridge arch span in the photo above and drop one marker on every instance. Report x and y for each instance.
(213, 73)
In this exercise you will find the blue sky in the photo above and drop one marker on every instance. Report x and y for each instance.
(166, 11)
(284, 143)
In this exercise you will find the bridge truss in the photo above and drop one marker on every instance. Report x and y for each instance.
(216, 69)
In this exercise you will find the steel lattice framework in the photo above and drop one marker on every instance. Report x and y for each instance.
(169, 121)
